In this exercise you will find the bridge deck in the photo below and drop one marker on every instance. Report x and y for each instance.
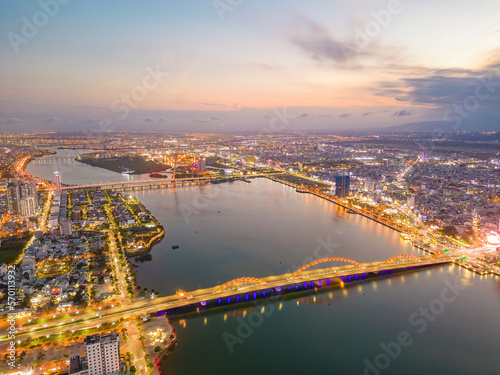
(201, 295)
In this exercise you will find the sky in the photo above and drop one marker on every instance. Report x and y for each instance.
(248, 65)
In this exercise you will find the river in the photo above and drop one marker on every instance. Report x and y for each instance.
(446, 319)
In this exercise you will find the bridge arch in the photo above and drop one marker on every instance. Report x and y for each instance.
(402, 256)
(330, 259)
(239, 281)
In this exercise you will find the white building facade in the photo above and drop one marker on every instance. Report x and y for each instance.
(103, 354)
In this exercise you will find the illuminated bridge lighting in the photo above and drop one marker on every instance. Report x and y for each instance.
(330, 259)
(183, 293)
(240, 280)
(402, 256)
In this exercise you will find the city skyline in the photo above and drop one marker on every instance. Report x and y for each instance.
(145, 234)
(249, 186)
(212, 66)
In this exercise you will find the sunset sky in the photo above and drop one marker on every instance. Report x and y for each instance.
(210, 65)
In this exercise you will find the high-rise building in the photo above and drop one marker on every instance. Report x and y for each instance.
(27, 207)
(103, 353)
(476, 224)
(13, 197)
(202, 165)
(57, 181)
(21, 198)
(342, 185)
(410, 201)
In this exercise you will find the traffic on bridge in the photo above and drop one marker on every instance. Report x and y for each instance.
(242, 290)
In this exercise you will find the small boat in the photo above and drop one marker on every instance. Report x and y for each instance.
(127, 171)
(175, 247)
(349, 211)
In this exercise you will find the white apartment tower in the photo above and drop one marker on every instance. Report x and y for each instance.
(57, 181)
(103, 354)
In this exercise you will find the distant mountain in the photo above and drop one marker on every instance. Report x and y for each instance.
(424, 126)
(430, 126)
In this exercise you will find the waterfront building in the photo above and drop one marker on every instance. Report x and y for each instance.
(57, 181)
(342, 185)
(103, 353)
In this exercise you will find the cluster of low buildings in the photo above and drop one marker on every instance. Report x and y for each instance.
(445, 188)
(59, 209)
(76, 208)
(95, 210)
(463, 193)
(120, 211)
(55, 268)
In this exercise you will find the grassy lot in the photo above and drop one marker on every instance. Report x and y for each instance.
(10, 255)
(136, 164)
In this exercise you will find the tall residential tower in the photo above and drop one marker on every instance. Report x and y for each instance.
(103, 353)
(57, 181)
(22, 198)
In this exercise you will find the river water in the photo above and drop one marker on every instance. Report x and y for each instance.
(446, 319)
